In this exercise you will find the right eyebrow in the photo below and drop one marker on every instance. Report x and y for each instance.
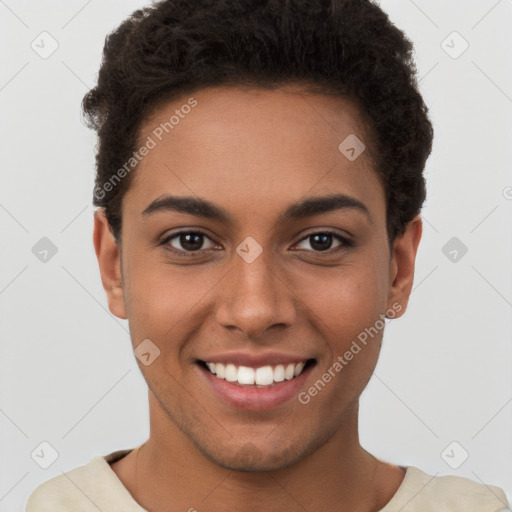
(306, 208)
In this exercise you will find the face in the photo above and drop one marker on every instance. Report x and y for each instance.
(278, 257)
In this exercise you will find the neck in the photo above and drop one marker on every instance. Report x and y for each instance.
(339, 476)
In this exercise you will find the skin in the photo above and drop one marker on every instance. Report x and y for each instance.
(255, 152)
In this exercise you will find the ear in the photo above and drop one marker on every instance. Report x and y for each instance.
(402, 266)
(109, 261)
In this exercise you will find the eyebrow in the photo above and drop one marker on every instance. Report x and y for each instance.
(306, 208)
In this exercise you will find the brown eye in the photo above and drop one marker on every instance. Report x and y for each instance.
(187, 241)
(323, 240)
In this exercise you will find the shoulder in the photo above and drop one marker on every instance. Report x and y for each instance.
(82, 489)
(62, 492)
(422, 492)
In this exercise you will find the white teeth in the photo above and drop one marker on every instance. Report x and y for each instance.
(220, 370)
(279, 373)
(262, 376)
(245, 375)
(231, 373)
(298, 368)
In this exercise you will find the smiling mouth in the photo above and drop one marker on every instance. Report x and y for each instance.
(260, 377)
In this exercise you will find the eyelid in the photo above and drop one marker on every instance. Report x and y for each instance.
(167, 238)
(346, 241)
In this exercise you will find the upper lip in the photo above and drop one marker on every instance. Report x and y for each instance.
(254, 360)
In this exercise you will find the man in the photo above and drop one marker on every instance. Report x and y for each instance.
(259, 183)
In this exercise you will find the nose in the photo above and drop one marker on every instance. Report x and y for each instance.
(254, 297)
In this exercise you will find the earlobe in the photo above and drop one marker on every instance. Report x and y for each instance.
(109, 261)
(402, 266)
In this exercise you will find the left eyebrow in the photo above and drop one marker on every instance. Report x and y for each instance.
(306, 208)
(325, 204)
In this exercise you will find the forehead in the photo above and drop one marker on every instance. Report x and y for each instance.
(254, 149)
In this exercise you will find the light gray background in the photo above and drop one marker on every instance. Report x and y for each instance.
(68, 375)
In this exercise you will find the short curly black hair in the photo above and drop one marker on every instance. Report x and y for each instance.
(346, 48)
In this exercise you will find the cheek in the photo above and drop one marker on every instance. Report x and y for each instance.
(348, 314)
(348, 300)
(159, 299)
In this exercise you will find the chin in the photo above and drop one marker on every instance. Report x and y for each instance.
(252, 458)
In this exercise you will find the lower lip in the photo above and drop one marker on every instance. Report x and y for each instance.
(255, 399)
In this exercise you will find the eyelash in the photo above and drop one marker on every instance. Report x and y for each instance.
(345, 242)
